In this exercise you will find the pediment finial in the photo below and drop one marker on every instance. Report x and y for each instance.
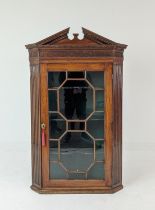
(75, 35)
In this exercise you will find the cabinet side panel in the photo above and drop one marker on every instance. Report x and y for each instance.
(117, 124)
(35, 125)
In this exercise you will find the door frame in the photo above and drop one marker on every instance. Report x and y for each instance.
(79, 65)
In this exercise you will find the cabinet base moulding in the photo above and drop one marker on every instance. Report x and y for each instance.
(103, 190)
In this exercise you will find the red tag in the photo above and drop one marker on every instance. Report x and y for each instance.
(43, 137)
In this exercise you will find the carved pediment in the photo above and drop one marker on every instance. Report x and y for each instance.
(90, 39)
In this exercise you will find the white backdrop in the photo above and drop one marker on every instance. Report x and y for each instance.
(26, 21)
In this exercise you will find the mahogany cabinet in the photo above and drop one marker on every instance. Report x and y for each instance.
(76, 113)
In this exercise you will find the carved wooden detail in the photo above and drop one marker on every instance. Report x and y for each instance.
(60, 46)
(35, 124)
(100, 39)
(81, 53)
(89, 38)
(117, 124)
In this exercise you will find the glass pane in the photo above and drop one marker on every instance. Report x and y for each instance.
(99, 150)
(52, 100)
(95, 125)
(96, 171)
(99, 100)
(57, 126)
(57, 171)
(76, 74)
(76, 125)
(55, 79)
(76, 152)
(53, 150)
(96, 79)
(77, 175)
(76, 99)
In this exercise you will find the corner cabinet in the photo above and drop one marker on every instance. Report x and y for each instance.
(76, 113)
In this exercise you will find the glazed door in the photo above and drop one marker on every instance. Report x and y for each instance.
(76, 124)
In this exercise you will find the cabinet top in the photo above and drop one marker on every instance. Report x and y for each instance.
(90, 40)
(59, 46)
